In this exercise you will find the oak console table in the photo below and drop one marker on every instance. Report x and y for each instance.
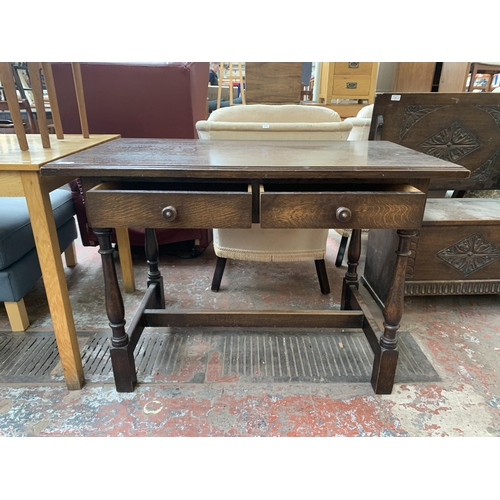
(155, 183)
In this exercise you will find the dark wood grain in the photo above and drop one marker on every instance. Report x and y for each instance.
(457, 251)
(122, 357)
(178, 183)
(193, 159)
(141, 208)
(463, 128)
(463, 211)
(318, 210)
(269, 319)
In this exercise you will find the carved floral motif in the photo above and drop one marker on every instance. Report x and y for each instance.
(494, 111)
(413, 114)
(451, 143)
(486, 170)
(470, 254)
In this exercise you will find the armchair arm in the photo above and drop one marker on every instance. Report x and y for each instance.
(360, 128)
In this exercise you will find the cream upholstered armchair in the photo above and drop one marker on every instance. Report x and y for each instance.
(360, 132)
(361, 124)
(272, 122)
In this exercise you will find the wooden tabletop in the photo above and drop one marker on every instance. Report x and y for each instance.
(189, 158)
(12, 158)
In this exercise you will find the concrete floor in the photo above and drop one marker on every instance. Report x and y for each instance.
(458, 335)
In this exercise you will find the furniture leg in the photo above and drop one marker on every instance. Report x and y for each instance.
(49, 255)
(17, 315)
(123, 241)
(386, 359)
(322, 276)
(154, 274)
(351, 275)
(122, 357)
(70, 255)
(341, 252)
(219, 271)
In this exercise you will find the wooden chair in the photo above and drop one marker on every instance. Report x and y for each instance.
(42, 127)
(19, 262)
(29, 125)
(457, 251)
(231, 77)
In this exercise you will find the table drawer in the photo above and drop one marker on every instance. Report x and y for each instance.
(390, 207)
(118, 205)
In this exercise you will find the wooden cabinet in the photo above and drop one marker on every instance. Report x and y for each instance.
(273, 82)
(432, 76)
(348, 80)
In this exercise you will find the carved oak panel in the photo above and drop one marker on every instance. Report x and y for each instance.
(463, 128)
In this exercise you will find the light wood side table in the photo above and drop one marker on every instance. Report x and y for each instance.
(20, 176)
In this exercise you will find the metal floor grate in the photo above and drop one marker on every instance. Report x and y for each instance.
(27, 357)
(184, 355)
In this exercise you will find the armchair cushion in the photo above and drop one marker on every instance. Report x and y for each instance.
(19, 265)
(16, 235)
(20, 277)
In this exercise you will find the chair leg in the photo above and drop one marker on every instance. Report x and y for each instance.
(70, 255)
(17, 315)
(219, 271)
(322, 276)
(341, 252)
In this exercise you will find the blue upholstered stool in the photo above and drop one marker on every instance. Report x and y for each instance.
(19, 266)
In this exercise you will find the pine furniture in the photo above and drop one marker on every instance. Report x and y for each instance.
(20, 176)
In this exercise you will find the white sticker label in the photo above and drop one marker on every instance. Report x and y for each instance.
(265, 125)
(395, 97)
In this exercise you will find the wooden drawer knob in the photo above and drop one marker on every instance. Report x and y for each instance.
(343, 214)
(169, 213)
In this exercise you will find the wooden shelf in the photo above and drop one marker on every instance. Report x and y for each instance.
(489, 73)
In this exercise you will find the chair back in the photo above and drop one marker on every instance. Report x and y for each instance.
(274, 122)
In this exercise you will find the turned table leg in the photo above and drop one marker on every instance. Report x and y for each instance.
(351, 275)
(386, 359)
(122, 357)
(154, 274)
